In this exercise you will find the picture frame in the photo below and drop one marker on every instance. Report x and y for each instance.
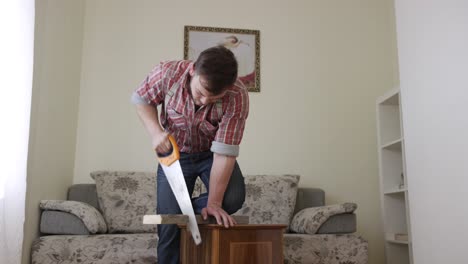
(244, 43)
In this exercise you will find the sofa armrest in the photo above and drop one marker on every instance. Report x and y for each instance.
(90, 216)
(310, 220)
(339, 224)
(61, 223)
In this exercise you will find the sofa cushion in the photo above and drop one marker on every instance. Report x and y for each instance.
(96, 249)
(330, 249)
(124, 198)
(270, 199)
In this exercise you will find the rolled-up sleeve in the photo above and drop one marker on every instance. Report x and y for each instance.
(225, 149)
(150, 90)
(232, 125)
(136, 99)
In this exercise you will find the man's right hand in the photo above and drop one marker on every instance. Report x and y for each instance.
(159, 138)
(161, 143)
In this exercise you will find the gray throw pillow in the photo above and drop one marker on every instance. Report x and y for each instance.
(309, 220)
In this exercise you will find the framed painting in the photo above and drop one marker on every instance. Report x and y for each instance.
(244, 43)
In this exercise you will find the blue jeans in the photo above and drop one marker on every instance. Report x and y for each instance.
(193, 165)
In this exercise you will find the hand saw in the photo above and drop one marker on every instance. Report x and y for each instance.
(171, 167)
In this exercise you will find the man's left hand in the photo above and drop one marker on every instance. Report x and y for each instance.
(222, 218)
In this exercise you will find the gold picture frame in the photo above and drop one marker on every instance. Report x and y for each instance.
(244, 43)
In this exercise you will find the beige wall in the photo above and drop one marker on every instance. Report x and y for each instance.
(323, 63)
(57, 64)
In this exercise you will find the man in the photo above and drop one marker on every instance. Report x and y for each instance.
(204, 107)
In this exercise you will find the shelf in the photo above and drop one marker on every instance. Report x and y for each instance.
(391, 169)
(393, 145)
(394, 211)
(393, 241)
(389, 123)
(395, 191)
(397, 253)
(390, 98)
(390, 238)
(392, 174)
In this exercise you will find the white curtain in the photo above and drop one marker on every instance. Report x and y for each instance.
(16, 71)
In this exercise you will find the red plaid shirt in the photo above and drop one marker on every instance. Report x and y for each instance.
(196, 131)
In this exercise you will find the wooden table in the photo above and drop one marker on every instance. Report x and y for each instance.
(241, 244)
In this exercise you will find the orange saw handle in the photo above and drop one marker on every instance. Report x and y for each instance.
(174, 155)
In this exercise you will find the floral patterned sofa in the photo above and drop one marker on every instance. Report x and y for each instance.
(102, 222)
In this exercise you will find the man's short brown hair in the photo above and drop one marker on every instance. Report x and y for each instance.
(218, 66)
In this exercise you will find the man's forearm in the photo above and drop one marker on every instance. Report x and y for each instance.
(219, 178)
(149, 116)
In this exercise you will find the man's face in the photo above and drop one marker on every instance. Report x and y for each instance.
(200, 95)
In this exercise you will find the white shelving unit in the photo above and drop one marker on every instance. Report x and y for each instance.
(393, 187)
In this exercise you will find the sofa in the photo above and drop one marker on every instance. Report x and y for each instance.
(102, 222)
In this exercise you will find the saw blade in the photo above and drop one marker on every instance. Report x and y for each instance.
(175, 177)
